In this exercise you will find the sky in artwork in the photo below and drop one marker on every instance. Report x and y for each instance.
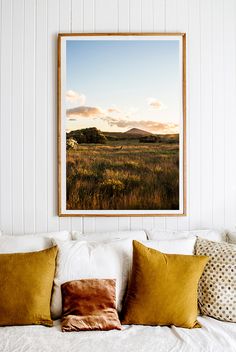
(116, 85)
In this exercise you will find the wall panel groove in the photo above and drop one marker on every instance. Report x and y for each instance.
(6, 116)
(17, 132)
(41, 128)
(206, 113)
(29, 132)
(53, 29)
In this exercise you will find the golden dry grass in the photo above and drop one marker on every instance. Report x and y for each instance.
(138, 176)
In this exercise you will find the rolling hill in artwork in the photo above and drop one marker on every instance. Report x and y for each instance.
(137, 132)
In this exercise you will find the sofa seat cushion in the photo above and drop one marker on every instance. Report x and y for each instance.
(214, 336)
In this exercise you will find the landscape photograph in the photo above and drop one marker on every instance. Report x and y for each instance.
(123, 117)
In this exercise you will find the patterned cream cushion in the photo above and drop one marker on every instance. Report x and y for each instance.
(217, 286)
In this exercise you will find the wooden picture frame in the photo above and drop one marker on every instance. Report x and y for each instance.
(74, 143)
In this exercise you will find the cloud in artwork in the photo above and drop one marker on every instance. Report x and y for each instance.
(74, 97)
(95, 111)
(155, 104)
(84, 111)
(113, 109)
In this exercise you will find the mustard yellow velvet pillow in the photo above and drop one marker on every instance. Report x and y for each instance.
(163, 288)
(26, 281)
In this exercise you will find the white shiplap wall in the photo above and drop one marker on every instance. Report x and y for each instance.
(28, 31)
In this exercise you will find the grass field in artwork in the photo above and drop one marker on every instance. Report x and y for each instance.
(126, 172)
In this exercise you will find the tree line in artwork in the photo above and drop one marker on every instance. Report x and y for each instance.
(93, 136)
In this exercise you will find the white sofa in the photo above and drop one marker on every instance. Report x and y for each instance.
(214, 335)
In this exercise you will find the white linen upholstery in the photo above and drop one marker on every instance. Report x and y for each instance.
(23, 244)
(104, 236)
(30, 242)
(213, 336)
(231, 237)
(180, 246)
(57, 235)
(208, 234)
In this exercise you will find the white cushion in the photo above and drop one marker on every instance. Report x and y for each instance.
(84, 259)
(181, 246)
(212, 235)
(30, 242)
(57, 235)
(104, 236)
(23, 244)
(231, 237)
(164, 235)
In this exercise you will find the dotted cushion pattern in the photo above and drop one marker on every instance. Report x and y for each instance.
(217, 286)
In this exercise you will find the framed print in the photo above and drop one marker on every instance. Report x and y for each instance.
(121, 124)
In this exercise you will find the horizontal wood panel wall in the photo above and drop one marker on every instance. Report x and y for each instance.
(28, 30)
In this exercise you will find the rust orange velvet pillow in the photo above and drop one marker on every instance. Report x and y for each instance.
(89, 304)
